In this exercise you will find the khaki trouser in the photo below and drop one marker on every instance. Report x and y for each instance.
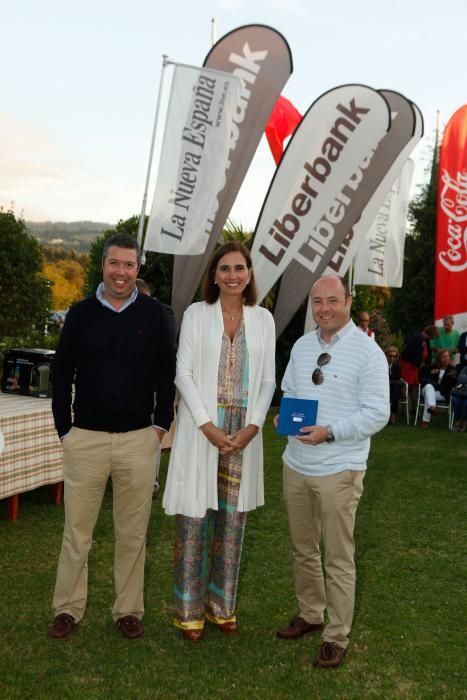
(324, 508)
(90, 457)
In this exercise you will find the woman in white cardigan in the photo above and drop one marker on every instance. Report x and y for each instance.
(226, 380)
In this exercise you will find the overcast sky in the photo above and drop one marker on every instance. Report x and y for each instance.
(79, 82)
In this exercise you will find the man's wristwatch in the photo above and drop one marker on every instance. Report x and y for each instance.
(330, 437)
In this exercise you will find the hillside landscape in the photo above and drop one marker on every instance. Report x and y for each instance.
(75, 235)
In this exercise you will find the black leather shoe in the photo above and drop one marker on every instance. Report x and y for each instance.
(330, 655)
(130, 627)
(297, 628)
(62, 626)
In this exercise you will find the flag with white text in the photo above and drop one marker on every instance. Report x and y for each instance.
(451, 243)
(329, 145)
(344, 224)
(261, 58)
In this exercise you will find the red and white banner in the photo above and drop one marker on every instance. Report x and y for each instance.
(331, 142)
(282, 123)
(194, 159)
(261, 58)
(451, 246)
(380, 258)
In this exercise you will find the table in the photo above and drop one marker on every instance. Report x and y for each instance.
(32, 455)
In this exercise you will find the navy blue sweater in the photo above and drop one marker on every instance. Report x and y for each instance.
(117, 361)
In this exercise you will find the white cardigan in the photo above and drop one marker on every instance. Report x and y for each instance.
(191, 486)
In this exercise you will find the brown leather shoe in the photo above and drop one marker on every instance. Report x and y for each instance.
(297, 628)
(424, 424)
(62, 626)
(130, 626)
(193, 635)
(229, 627)
(330, 655)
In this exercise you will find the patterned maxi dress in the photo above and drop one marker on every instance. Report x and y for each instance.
(199, 595)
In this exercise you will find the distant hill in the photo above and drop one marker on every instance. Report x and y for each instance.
(75, 235)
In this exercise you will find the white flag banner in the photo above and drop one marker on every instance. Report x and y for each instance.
(329, 144)
(194, 159)
(380, 257)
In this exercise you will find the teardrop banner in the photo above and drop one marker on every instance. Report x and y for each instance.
(334, 137)
(451, 242)
(261, 57)
(380, 258)
(370, 211)
(335, 230)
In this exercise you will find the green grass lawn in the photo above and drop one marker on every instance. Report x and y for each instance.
(409, 633)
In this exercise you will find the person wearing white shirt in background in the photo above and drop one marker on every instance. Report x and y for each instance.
(347, 374)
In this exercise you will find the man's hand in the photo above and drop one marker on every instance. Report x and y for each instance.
(315, 434)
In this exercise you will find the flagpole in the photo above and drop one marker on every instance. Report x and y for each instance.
(213, 31)
(165, 62)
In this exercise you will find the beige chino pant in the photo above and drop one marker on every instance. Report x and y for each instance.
(323, 509)
(90, 457)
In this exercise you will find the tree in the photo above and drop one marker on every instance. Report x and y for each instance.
(25, 294)
(412, 306)
(67, 278)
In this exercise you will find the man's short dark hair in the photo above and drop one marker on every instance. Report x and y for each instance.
(122, 240)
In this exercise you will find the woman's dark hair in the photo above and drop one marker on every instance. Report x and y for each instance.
(210, 290)
(431, 332)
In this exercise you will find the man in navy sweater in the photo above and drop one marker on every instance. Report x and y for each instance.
(118, 350)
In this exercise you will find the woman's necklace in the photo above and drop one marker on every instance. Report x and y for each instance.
(230, 315)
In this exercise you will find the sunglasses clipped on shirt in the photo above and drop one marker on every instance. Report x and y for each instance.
(318, 377)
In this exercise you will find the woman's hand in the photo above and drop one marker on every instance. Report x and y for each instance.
(218, 438)
(243, 436)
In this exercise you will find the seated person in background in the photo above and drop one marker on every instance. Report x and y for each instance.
(363, 324)
(392, 356)
(416, 352)
(462, 349)
(437, 382)
(448, 339)
(459, 401)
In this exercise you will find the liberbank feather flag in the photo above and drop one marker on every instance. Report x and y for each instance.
(194, 159)
(342, 262)
(451, 245)
(345, 223)
(261, 58)
(380, 258)
(328, 146)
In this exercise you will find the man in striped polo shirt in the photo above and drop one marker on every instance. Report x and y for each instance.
(346, 373)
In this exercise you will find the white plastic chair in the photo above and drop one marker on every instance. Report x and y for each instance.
(442, 405)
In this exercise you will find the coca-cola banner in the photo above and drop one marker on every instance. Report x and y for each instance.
(330, 145)
(451, 246)
(261, 58)
(380, 258)
(365, 189)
